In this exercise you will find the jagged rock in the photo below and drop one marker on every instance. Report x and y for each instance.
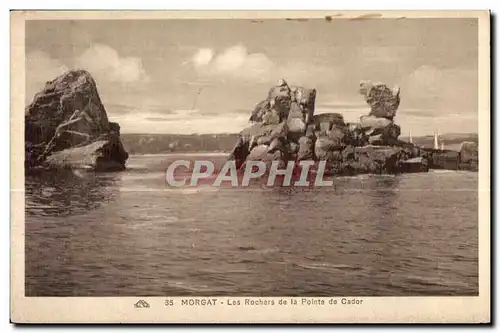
(60, 99)
(258, 152)
(32, 154)
(280, 91)
(68, 114)
(373, 159)
(302, 95)
(264, 140)
(469, 159)
(468, 152)
(257, 134)
(306, 98)
(278, 144)
(373, 125)
(240, 151)
(114, 128)
(279, 104)
(471, 166)
(260, 110)
(267, 131)
(265, 154)
(293, 148)
(325, 147)
(380, 131)
(271, 117)
(355, 135)
(338, 136)
(389, 137)
(280, 98)
(332, 141)
(376, 140)
(306, 148)
(101, 155)
(383, 101)
(392, 131)
(301, 135)
(310, 131)
(324, 121)
(296, 122)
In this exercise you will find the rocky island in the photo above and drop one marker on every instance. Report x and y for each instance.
(66, 126)
(285, 128)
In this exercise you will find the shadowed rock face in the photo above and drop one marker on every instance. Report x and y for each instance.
(92, 156)
(60, 98)
(273, 135)
(67, 118)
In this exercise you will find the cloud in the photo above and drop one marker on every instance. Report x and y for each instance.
(104, 63)
(237, 64)
(394, 57)
(203, 57)
(233, 62)
(40, 68)
(425, 79)
(236, 59)
(431, 98)
(378, 54)
(181, 122)
(447, 90)
(424, 125)
(40, 65)
(118, 109)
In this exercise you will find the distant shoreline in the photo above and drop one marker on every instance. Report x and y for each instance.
(220, 144)
(205, 153)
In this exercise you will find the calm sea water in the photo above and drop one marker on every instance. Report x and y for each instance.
(127, 234)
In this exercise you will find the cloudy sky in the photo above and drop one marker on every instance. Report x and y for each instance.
(205, 76)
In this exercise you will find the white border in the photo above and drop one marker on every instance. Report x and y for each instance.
(257, 4)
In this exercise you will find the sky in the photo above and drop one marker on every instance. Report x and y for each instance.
(205, 76)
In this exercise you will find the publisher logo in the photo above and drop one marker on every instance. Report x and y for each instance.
(141, 304)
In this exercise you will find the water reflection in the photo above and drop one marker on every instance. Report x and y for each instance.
(366, 235)
(383, 192)
(385, 185)
(67, 193)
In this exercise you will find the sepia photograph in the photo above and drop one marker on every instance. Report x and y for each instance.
(247, 160)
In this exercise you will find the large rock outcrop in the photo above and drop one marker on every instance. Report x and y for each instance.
(383, 101)
(285, 128)
(469, 156)
(66, 126)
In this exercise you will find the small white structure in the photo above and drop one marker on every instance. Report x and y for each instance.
(436, 144)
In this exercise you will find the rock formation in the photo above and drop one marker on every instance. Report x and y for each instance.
(469, 156)
(383, 101)
(285, 128)
(66, 126)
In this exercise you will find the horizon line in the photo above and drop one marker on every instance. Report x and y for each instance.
(236, 133)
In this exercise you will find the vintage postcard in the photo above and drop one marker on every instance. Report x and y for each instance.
(250, 167)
